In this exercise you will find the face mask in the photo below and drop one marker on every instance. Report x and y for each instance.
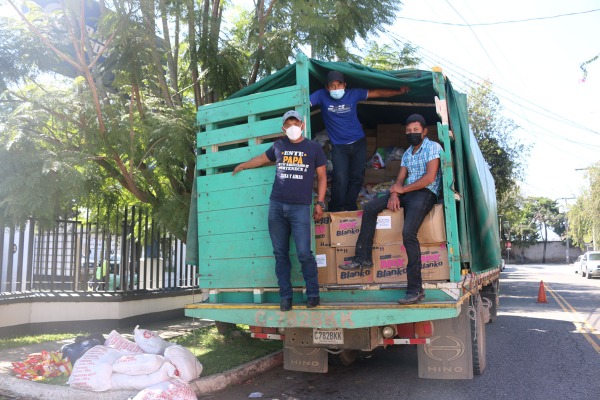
(336, 94)
(414, 139)
(293, 132)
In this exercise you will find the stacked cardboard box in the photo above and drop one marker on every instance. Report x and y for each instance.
(325, 256)
(389, 254)
(344, 231)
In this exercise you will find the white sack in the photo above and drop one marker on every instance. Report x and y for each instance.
(185, 361)
(139, 382)
(174, 389)
(93, 370)
(116, 341)
(149, 341)
(138, 364)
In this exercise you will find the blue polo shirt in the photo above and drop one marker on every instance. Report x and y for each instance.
(417, 163)
(340, 116)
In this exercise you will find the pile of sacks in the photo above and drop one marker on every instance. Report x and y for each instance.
(156, 367)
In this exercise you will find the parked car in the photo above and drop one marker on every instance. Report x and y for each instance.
(577, 264)
(590, 264)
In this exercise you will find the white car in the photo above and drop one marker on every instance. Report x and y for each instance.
(590, 264)
(577, 264)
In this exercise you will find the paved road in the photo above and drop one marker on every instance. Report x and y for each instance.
(534, 351)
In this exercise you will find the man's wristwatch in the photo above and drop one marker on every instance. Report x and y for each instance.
(321, 203)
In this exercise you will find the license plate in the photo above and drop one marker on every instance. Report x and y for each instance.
(328, 336)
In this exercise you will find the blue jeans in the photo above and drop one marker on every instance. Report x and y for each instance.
(348, 174)
(416, 205)
(292, 219)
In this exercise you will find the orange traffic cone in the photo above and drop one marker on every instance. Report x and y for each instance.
(542, 294)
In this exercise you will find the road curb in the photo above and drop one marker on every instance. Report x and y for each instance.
(236, 375)
(35, 390)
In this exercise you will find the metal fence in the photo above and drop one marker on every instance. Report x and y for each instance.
(123, 252)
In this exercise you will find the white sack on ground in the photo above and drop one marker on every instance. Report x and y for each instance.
(138, 364)
(149, 341)
(139, 382)
(173, 389)
(185, 361)
(94, 369)
(116, 341)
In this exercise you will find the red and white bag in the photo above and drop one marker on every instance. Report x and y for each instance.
(185, 361)
(138, 364)
(94, 369)
(174, 389)
(139, 382)
(116, 341)
(149, 341)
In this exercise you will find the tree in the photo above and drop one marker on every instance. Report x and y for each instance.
(504, 154)
(99, 98)
(274, 30)
(388, 58)
(584, 216)
(546, 214)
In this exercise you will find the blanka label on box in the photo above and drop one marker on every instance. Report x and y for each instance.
(345, 227)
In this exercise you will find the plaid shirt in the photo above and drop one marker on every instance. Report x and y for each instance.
(417, 163)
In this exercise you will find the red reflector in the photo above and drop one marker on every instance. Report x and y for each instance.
(424, 329)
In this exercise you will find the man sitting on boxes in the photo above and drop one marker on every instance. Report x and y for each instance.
(416, 190)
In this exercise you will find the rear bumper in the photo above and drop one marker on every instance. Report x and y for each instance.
(327, 315)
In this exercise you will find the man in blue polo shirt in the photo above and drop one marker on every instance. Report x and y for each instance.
(416, 190)
(339, 110)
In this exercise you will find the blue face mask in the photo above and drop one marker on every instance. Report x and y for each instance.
(336, 94)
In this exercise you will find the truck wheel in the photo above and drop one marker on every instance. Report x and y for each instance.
(346, 357)
(477, 316)
(491, 299)
(588, 276)
(224, 327)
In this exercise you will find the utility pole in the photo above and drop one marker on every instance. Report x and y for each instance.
(567, 225)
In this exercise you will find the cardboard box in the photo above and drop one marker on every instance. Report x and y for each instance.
(392, 168)
(343, 256)
(322, 234)
(389, 263)
(433, 229)
(391, 135)
(373, 175)
(434, 260)
(389, 227)
(344, 227)
(326, 265)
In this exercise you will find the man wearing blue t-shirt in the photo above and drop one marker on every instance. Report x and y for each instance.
(339, 109)
(297, 160)
(416, 190)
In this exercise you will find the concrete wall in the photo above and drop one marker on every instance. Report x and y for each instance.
(69, 312)
(556, 252)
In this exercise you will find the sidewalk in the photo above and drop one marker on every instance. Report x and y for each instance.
(22, 389)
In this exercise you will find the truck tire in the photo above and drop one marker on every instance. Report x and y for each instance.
(491, 299)
(477, 317)
(345, 357)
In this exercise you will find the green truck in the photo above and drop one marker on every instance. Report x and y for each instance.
(229, 241)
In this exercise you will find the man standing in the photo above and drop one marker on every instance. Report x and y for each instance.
(297, 159)
(416, 190)
(339, 109)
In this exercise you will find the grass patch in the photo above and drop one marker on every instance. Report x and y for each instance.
(218, 353)
(21, 341)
